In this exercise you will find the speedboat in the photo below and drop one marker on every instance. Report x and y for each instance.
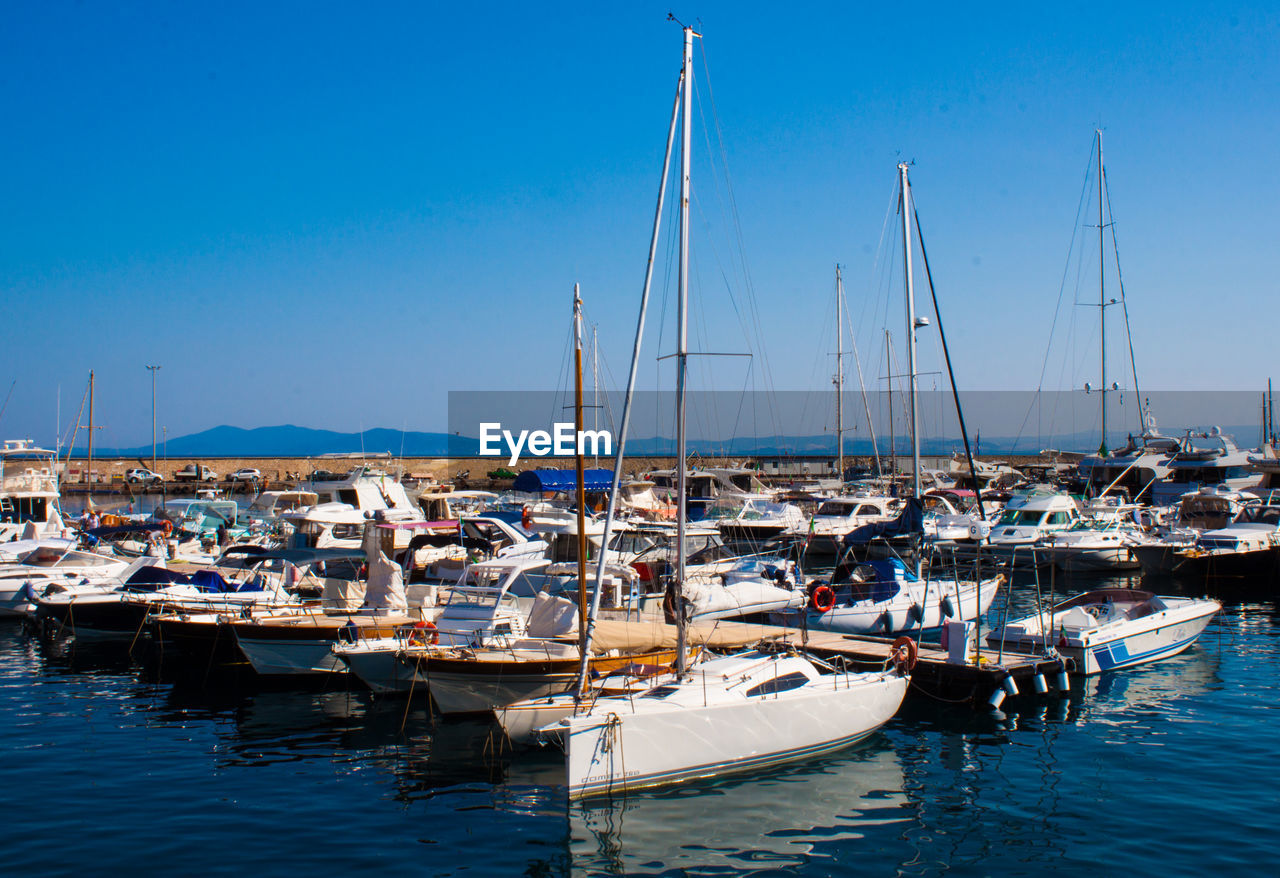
(1110, 628)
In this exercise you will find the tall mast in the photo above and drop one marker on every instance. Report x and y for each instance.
(682, 348)
(839, 376)
(1102, 300)
(911, 330)
(88, 467)
(584, 665)
(580, 466)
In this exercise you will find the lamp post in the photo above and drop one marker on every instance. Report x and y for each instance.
(153, 370)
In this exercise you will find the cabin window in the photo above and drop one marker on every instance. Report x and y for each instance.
(778, 684)
(348, 495)
(1057, 518)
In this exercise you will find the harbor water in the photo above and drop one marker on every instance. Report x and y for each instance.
(118, 761)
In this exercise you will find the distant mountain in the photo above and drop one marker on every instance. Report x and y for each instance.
(288, 440)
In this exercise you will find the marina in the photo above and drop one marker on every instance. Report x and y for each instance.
(857, 531)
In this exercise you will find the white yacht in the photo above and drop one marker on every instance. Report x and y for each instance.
(835, 518)
(29, 495)
(1207, 459)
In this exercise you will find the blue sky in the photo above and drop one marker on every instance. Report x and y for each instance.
(316, 214)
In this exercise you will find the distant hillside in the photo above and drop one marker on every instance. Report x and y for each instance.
(288, 440)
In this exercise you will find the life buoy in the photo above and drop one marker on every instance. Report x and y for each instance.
(419, 636)
(526, 518)
(822, 599)
(903, 652)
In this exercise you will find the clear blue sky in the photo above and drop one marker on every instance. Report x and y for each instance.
(328, 215)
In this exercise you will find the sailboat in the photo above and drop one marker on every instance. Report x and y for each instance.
(884, 596)
(730, 714)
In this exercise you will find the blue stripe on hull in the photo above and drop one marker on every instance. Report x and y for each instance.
(1115, 656)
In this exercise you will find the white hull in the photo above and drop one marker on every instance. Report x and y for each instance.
(382, 670)
(480, 692)
(1114, 641)
(271, 657)
(618, 747)
(908, 611)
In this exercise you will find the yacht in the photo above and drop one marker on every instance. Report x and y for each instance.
(1207, 459)
(29, 495)
(837, 517)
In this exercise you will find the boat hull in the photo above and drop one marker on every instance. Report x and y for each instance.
(906, 612)
(615, 752)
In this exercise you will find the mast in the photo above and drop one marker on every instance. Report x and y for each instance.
(839, 376)
(911, 330)
(585, 664)
(682, 350)
(580, 466)
(1102, 300)
(88, 467)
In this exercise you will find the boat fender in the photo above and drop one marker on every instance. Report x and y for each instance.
(1041, 685)
(915, 614)
(822, 599)
(948, 609)
(424, 632)
(903, 652)
(1009, 685)
(1064, 682)
(886, 621)
(996, 699)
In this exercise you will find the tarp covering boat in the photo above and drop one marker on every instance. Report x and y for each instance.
(540, 481)
(910, 522)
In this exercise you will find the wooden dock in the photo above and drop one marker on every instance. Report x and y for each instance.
(934, 676)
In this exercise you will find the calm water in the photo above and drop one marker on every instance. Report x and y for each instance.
(111, 764)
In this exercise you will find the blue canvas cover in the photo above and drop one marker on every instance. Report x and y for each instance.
(539, 481)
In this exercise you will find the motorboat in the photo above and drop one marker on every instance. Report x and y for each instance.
(753, 521)
(1249, 545)
(838, 516)
(54, 563)
(29, 494)
(884, 597)
(1207, 458)
(1110, 628)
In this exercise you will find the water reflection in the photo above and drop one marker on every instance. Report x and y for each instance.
(767, 822)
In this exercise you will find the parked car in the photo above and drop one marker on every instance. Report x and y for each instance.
(246, 474)
(142, 476)
(195, 472)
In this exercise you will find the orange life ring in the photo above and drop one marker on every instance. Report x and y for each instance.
(904, 652)
(822, 599)
(419, 637)
(526, 518)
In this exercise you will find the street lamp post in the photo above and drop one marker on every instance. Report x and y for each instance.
(153, 370)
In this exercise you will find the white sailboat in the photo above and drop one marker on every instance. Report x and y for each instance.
(729, 714)
(883, 596)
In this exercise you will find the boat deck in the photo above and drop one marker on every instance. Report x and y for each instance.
(934, 676)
